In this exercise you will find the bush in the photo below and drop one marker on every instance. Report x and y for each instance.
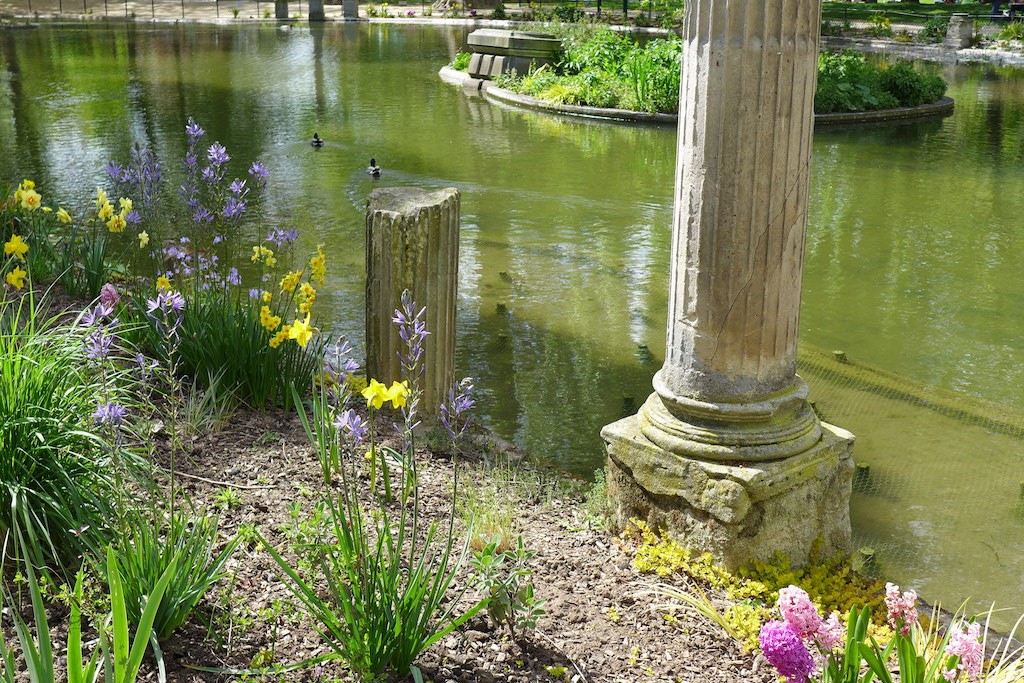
(847, 82)
(911, 88)
(934, 30)
(57, 476)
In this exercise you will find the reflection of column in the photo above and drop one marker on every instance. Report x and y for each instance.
(727, 452)
(317, 32)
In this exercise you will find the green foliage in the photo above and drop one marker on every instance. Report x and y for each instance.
(831, 583)
(934, 30)
(387, 578)
(184, 542)
(56, 476)
(568, 13)
(498, 13)
(504, 575)
(881, 26)
(909, 87)
(847, 82)
(461, 61)
(1012, 31)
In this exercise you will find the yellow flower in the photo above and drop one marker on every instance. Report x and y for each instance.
(256, 254)
(143, 239)
(397, 393)
(317, 266)
(290, 281)
(126, 204)
(105, 212)
(16, 278)
(308, 297)
(31, 200)
(17, 247)
(301, 332)
(267, 296)
(47, 209)
(268, 320)
(101, 197)
(282, 334)
(27, 184)
(271, 261)
(163, 283)
(117, 223)
(63, 216)
(375, 394)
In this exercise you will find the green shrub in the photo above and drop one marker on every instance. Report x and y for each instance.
(934, 30)
(911, 88)
(1012, 31)
(461, 61)
(58, 479)
(568, 13)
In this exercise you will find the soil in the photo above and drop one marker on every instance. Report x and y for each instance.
(598, 626)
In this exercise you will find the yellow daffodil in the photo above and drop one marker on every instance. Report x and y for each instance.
(101, 197)
(31, 200)
(317, 266)
(269, 320)
(308, 297)
(163, 283)
(47, 209)
(267, 296)
(105, 212)
(301, 332)
(282, 334)
(290, 281)
(16, 278)
(397, 393)
(143, 239)
(63, 216)
(126, 204)
(16, 247)
(117, 223)
(375, 394)
(27, 184)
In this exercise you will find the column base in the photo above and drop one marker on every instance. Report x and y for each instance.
(739, 512)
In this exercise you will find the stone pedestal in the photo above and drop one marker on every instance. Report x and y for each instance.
(280, 9)
(316, 10)
(412, 242)
(350, 9)
(960, 33)
(740, 513)
(727, 453)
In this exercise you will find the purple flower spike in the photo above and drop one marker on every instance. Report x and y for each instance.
(111, 414)
(454, 411)
(350, 423)
(217, 154)
(193, 131)
(786, 652)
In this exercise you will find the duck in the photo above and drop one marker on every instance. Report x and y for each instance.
(373, 169)
(317, 141)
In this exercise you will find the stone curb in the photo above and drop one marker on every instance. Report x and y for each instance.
(931, 53)
(943, 107)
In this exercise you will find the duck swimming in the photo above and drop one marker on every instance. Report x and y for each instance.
(373, 169)
(317, 141)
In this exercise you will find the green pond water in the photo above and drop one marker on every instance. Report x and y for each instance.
(912, 266)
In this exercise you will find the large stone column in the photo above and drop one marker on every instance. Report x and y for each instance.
(726, 453)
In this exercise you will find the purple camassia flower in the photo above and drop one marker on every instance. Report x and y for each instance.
(114, 171)
(338, 361)
(133, 217)
(210, 175)
(234, 278)
(144, 368)
(111, 414)
(217, 154)
(233, 209)
(260, 174)
(202, 215)
(193, 131)
(353, 425)
(279, 238)
(412, 328)
(786, 652)
(255, 294)
(97, 345)
(238, 188)
(453, 411)
(167, 309)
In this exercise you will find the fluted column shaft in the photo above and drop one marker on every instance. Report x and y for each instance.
(742, 179)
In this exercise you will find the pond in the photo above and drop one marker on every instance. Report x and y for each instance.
(912, 263)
